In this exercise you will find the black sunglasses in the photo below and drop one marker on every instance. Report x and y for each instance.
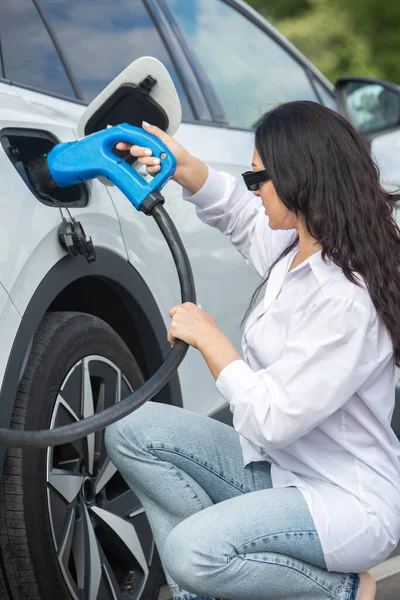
(252, 179)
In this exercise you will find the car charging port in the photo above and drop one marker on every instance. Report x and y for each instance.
(25, 148)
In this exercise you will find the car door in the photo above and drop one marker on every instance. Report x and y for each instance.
(218, 120)
(243, 71)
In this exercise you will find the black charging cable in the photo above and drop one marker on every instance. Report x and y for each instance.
(62, 435)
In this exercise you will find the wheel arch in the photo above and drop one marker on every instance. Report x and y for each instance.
(110, 289)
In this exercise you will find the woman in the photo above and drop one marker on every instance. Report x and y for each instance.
(303, 494)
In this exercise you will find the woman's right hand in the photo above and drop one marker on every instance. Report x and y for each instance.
(190, 172)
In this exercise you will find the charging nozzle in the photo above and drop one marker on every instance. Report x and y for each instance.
(40, 176)
(93, 156)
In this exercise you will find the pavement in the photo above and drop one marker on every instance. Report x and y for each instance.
(390, 589)
(387, 576)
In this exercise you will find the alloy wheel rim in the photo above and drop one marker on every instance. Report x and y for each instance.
(101, 536)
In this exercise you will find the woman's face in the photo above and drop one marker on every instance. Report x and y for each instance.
(280, 217)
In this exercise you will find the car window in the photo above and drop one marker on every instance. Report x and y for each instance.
(100, 38)
(29, 56)
(327, 98)
(249, 71)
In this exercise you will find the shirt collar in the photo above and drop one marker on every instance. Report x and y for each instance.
(322, 268)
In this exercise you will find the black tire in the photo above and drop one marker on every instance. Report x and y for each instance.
(35, 510)
(4, 595)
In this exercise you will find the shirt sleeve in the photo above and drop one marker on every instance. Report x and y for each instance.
(326, 359)
(223, 202)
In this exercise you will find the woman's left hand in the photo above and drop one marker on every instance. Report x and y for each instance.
(191, 324)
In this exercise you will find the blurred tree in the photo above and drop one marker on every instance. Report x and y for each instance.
(378, 21)
(341, 37)
(280, 9)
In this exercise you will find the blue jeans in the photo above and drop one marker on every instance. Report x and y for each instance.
(220, 528)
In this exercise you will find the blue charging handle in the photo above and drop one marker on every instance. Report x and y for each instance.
(75, 162)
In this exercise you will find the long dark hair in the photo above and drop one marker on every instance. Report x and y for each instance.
(322, 171)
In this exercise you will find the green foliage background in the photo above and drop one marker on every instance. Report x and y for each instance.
(341, 37)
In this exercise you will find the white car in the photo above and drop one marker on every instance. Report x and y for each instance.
(77, 337)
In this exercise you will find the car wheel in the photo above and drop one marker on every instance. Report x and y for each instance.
(70, 526)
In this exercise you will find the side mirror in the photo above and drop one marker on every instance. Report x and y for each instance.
(371, 105)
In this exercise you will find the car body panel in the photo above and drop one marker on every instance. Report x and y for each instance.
(27, 257)
(385, 149)
(65, 112)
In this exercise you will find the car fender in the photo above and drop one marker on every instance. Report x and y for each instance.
(133, 292)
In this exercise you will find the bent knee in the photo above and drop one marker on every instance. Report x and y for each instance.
(126, 431)
(191, 558)
(135, 430)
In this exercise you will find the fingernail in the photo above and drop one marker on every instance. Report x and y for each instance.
(156, 161)
(148, 152)
(146, 124)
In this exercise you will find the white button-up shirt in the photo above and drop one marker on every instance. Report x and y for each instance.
(315, 392)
